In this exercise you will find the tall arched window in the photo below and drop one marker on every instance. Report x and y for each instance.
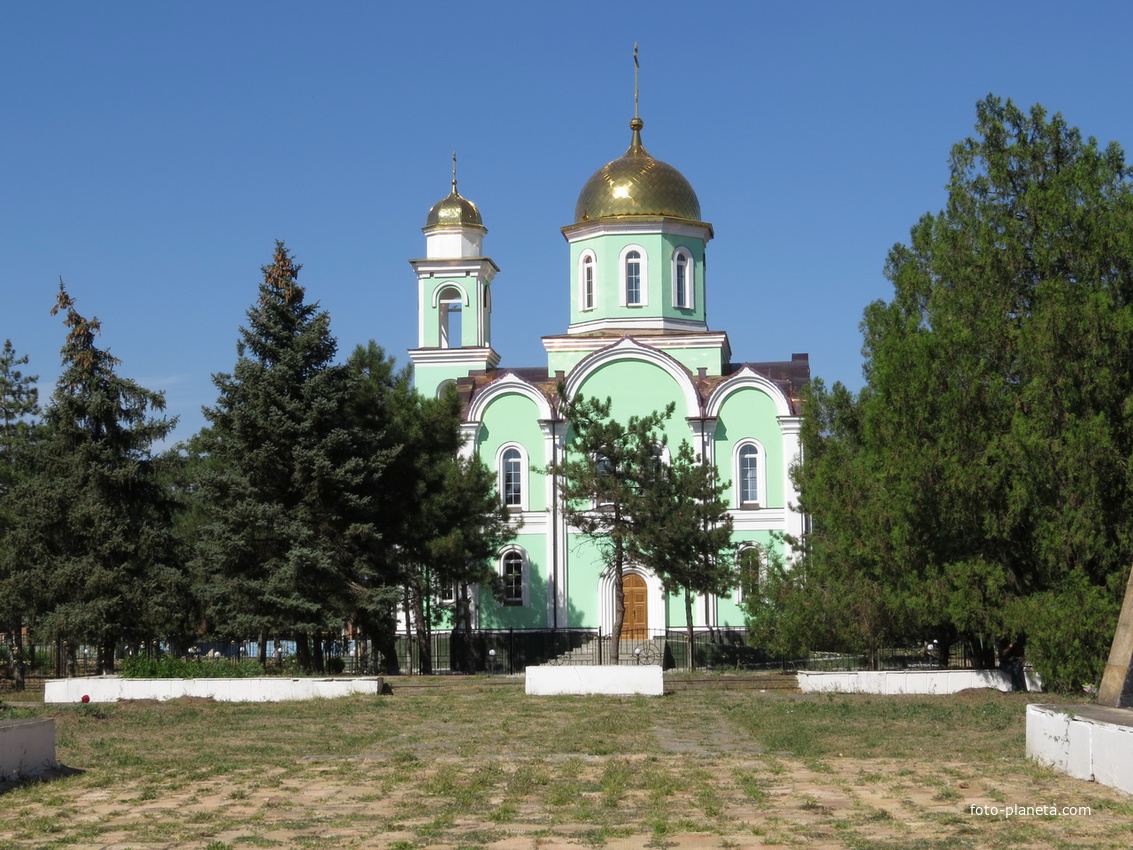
(748, 490)
(511, 465)
(633, 278)
(451, 300)
(513, 574)
(587, 282)
(683, 279)
(513, 478)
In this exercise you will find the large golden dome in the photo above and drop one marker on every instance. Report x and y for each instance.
(636, 184)
(454, 210)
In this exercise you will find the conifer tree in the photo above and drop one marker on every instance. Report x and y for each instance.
(684, 531)
(93, 528)
(604, 476)
(979, 484)
(441, 518)
(19, 409)
(291, 477)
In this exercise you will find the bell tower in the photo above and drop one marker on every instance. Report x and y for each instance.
(454, 296)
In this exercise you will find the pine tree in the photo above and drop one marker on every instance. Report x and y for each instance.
(441, 518)
(606, 470)
(93, 528)
(683, 531)
(19, 409)
(289, 487)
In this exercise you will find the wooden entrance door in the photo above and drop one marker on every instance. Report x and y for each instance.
(637, 608)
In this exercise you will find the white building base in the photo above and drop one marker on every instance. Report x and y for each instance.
(909, 681)
(600, 679)
(266, 689)
(27, 747)
(1089, 742)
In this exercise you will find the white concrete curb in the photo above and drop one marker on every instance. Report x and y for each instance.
(265, 689)
(608, 679)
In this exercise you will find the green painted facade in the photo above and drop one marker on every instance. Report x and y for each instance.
(643, 347)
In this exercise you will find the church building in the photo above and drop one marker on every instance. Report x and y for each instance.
(638, 334)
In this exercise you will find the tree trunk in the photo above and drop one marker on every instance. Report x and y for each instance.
(106, 656)
(18, 666)
(70, 659)
(688, 627)
(619, 604)
(319, 657)
(263, 653)
(303, 652)
(421, 624)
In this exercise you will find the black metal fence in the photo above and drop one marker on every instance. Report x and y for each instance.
(503, 652)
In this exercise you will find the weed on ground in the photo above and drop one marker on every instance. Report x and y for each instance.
(475, 763)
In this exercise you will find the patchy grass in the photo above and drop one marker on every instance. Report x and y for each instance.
(473, 762)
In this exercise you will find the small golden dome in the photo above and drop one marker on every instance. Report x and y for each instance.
(637, 184)
(454, 210)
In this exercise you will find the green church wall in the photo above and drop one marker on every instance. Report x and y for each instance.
(513, 418)
(749, 413)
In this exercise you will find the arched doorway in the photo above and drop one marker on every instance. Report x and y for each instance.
(636, 623)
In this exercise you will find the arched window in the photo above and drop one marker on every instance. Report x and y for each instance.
(444, 386)
(634, 276)
(513, 573)
(513, 478)
(511, 463)
(749, 571)
(683, 279)
(451, 300)
(586, 282)
(749, 475)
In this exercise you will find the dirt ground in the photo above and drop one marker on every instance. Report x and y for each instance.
(697, 778)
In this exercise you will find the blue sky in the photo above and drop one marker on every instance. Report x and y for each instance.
(153, 152)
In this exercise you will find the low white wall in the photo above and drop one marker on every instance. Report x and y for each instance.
(266, 689)
(908, 681)
(601, 679)
(27, 747)
(1085, 743)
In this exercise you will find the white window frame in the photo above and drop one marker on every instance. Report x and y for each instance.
(760, 475)
(643, 276)
(588, 261)
(762, 578)
(525, 576)
(447, 308)
(689, 300)
(524, 477)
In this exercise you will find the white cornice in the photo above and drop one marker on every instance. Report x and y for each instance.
(632, 323)
(711, 340)
(454, 356)
(455, 266)
(633, 225)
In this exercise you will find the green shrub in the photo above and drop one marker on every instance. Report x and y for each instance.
(168, 667)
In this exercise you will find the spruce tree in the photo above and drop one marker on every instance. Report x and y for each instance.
(19, 409)
(291, 477)
(93, 522)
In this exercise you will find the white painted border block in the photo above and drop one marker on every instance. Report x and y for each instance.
(906, 681)
(608, 679)
(1083, 747)
(265, 689)
(27, 747)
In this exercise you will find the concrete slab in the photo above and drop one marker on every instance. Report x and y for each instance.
(908, 681)
(614, 680)
(1089, 742)
(265, 689)
(27, 747)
